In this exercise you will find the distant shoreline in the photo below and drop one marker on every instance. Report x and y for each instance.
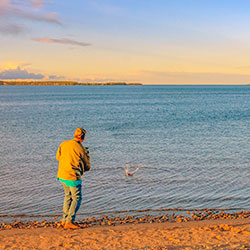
(63, 83)
(75, 83)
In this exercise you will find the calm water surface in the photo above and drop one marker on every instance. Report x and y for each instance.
(193, 143)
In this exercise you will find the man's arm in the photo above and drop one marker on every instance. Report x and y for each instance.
(58, 153)
(86, 160)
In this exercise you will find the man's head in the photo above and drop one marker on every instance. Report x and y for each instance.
(80, 134)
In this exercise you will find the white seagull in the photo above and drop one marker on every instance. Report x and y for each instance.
(127, 173)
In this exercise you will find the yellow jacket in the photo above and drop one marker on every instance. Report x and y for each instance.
(73, 160)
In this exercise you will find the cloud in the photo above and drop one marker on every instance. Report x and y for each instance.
(27, 10)
(98, 79)
(18, 73)
(37, 3)
(12, 29)
(56, 77)
(61, 41)
(49, 17)
(166, 77)
(13, 65)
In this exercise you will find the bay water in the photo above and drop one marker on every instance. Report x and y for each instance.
(191, 142)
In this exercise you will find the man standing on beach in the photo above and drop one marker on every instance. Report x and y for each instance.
(73, 160)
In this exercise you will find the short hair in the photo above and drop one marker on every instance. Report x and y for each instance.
(82, 136)
(80, 133)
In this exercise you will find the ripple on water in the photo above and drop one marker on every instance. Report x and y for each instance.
(192, 143)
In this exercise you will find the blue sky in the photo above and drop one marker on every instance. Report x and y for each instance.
(164, 42)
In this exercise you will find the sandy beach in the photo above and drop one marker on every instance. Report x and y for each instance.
(207, 234)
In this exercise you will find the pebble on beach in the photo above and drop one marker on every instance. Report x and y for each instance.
(130, 219)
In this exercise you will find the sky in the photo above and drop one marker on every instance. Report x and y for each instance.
(142, 41)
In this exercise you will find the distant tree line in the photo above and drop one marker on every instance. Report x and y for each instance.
(63, 83)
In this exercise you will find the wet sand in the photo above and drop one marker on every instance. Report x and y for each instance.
(205, 234)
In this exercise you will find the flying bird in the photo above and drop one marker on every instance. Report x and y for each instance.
(127, 173)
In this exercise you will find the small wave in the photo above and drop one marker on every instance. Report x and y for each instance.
(125, 211)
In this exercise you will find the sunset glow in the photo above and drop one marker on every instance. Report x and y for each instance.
(146, 41)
